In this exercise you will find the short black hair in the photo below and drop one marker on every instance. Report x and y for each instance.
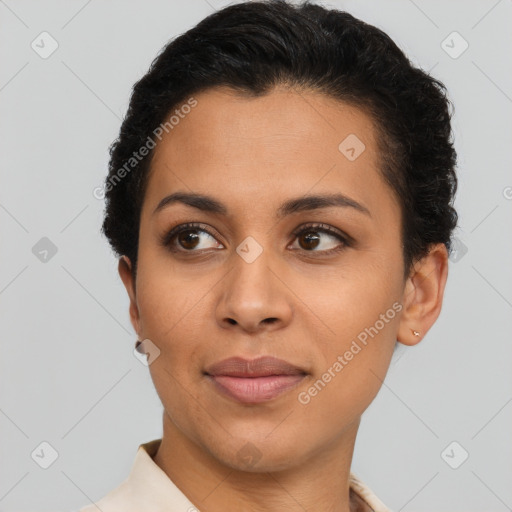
(254, 46)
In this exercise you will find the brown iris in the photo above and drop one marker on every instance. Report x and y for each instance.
(311, 238)
(188, 239)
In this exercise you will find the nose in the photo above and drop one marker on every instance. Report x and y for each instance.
(254, 296)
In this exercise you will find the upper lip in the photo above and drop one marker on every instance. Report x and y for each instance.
(259, 367)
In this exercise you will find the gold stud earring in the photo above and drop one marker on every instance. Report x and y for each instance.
(416, 333)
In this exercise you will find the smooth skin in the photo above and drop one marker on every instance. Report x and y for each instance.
(200, 302)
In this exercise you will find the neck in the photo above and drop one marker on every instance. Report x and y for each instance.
(318, 483)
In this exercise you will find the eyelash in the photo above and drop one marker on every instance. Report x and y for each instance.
(168, 238)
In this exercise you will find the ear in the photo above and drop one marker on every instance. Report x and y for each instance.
(125, 272)
(423, 295)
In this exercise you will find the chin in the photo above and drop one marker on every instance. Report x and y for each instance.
(257, 454)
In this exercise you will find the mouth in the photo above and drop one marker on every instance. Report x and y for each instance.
(254, 381)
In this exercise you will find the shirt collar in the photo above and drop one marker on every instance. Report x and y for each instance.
(150, 485)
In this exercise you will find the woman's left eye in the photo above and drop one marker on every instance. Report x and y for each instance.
(320, 238)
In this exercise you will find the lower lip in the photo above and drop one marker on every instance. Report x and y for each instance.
(256, 389)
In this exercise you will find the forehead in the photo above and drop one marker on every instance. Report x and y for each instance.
(284, 142)
(230, 119)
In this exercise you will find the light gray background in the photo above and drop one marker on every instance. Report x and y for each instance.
(68, 373)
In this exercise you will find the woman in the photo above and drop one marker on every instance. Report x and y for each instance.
(280, 199)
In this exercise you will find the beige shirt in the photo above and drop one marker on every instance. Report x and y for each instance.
(148, 489)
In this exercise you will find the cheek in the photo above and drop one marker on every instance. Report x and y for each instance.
(168, 301)
(353, 364)
(348, 300)
(174, 320)
(360, 315)
(173, 316)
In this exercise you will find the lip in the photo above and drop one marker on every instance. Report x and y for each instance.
(263, 366)
(256, 380)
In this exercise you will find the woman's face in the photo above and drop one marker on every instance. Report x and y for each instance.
(242, 283)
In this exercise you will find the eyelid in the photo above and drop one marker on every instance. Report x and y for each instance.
(324, 228)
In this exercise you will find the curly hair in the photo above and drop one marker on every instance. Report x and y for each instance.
(254, 46)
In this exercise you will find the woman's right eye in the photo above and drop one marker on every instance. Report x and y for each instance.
(190, 238)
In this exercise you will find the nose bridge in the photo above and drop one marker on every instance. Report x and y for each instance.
(252, 276)
(252, 293)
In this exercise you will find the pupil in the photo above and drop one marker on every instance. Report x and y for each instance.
(186, 237)
(311, 238)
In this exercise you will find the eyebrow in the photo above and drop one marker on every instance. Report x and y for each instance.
(300, 204)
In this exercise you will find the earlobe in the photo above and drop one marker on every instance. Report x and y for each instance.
(125, 273)
(423, 295)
